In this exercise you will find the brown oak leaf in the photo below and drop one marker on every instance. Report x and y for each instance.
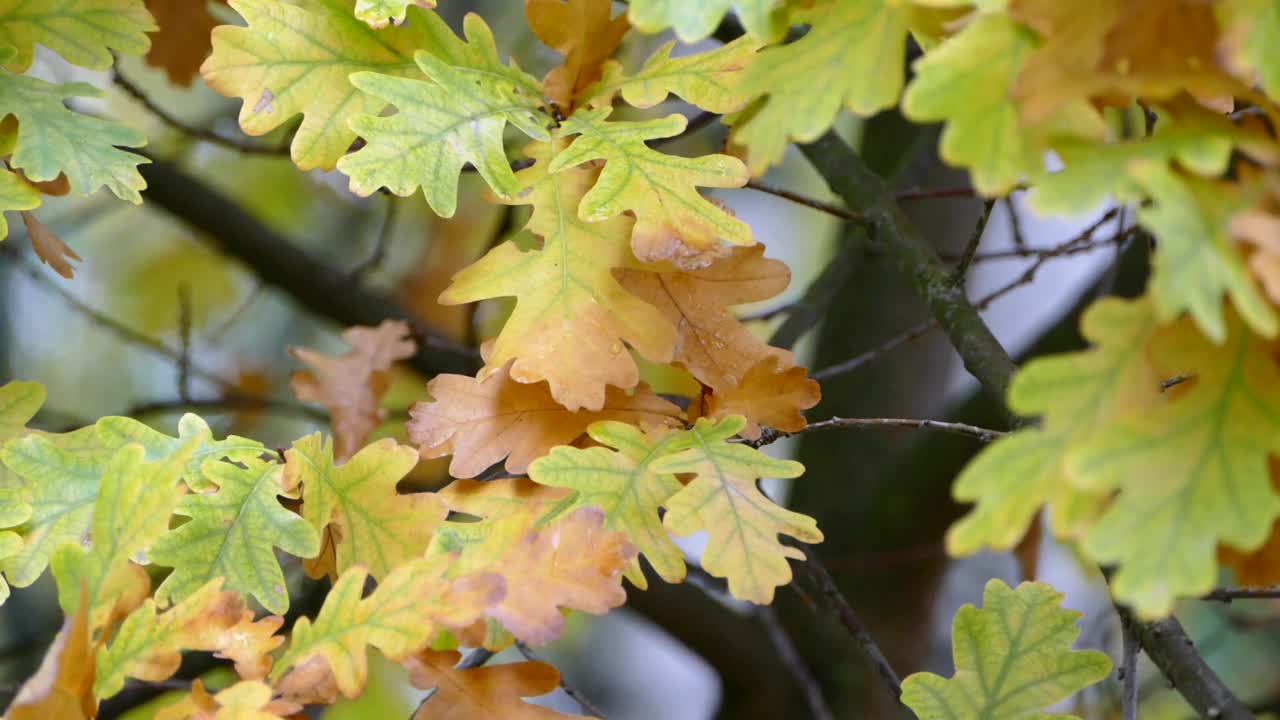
(489, 692)
(351, 385)
(63, 686)
(768, 395)
(182, 42)
(482, 422)
(584, 32)
(49, 247)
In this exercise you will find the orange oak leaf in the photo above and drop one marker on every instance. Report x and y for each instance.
(182, 42)
(351, 385)
(717, 348)
(49, 247)
(573, 562)
(584, 32)
(482, 422)
(491, 692)
(1258, 228)
(63, 686)
(767, 395)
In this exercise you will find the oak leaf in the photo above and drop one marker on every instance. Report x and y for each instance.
(709, 80)
(1013, 659)
(571, 562)
(482, 422)
(1250, 41)
(83, 32)
(713, 345)
(693, 21)
(148, 644)
(660, 190)
(355, 508)
(52, 140)
(350, 386)
(768, 394)
(398, 618)
(231, 535)
(63, 685)
(1262, 566)
(455, 116)
(571, 316)
(19, 402)
(619, 480)
(491, 692)
(15, 194)
(296, 58)
(864, 76)
(1077, 396)
(1188, 475)
(181, 43)
(245, 700)
(723, 499)
(584, 33)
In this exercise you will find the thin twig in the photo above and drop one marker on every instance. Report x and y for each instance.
(986, 435)
(1129, 673)
(568, 689)
(799, 199)
(975, 239)
(184, 338)
(817, 573)
(1015, 223)
(116, 327)
(1243, 593)
(853, 363)
(790, 656)
(172, 121)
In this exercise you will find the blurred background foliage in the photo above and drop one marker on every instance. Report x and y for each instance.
(105, 343)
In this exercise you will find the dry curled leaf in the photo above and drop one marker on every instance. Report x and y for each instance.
(63, 686)
(482, 422)
(246, 700)
(351, 385)
(491, 692)
(49, 247)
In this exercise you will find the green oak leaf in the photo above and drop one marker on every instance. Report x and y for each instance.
(853, 56)
(381, 13)
(1251, 39)
(456, 117)
(693, 21)
(660, 190)
(1076, 395)
(297, 58)
(54, 140)
(1191, 474)
(19, 402)
(619, 480)
(83, 32)
(723, 499)
(710, 80)
(1013, 659)
(231, 535)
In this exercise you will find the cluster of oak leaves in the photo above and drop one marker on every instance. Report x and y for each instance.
(1163, 104)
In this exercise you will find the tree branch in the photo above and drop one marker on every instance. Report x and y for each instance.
(769, 436)
(322, 289)
(864, 191)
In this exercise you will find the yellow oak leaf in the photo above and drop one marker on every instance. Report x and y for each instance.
(398, 618)
(1262, 566)
(571, 316)
(83, 32)
(693, 21)
(619, 480)
(660, 190)
(570, 562)
(582, 31)
(63, 685)
(491, 692)
(768, 394)
(181, 43)
(354, 506)
(1188, 475)
(500, 497)
(1259, 228)
(1250, 41)
(710, 80)
(350, 386)
(483, 422)
(723, 499)
(297, 58)
(148, 644)
(854, 54)
(714, 346)
(15, 194)
(1077, 396)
